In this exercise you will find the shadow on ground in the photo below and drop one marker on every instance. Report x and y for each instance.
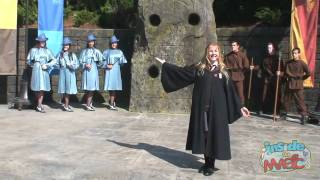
(177, 158)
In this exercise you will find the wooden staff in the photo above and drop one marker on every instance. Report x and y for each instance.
(277, 89)
(250, 80)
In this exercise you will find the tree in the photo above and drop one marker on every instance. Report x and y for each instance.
(106, 13)
(244, 12)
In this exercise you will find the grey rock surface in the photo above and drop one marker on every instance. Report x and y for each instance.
(175, 30)
(123, 145)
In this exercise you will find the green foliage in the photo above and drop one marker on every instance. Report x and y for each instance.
(117, 6)
(126, 4)
(268, 15)
(107, 8)
(67, 12)
(113, 10)
(84, 16)
(246, 12)
(122, 13)
(32, 14)
(104, 13)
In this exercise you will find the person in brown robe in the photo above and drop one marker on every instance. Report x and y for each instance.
(215, 104)
(296, 71)
(270, 73)
(237, 62)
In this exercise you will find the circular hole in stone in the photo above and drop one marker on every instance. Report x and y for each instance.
(153, 71)
(155, 20)
(194, 19)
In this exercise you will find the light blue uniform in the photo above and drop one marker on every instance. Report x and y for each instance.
(40, 80)
(67, 63)
(90, 78)
(112, 79)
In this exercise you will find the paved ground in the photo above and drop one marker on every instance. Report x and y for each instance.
(124, 145)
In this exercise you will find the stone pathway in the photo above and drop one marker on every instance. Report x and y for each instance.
(126, 145)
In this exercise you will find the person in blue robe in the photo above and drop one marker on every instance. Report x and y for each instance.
(114, 59)
(40, 58)
(91, 59)
(67, 62)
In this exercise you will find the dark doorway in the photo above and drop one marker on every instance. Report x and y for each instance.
(3, 89)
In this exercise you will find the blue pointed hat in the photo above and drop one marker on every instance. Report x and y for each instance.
(114, 39)
(66, 41)
(91, 37)
(42, 37)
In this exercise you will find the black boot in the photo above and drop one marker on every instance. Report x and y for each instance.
(303, 119)
(202, 168)
(205, 166)
(209, 166)
(208, 171)
(283, 116)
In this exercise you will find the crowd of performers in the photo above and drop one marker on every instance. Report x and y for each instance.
(218, 97)
(282, 80)
(277, 76)
(40, 58)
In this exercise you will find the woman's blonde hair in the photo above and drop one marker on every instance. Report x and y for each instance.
(206, 64)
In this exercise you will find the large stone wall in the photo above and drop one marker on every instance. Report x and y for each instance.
(175, 30)
(253, 41)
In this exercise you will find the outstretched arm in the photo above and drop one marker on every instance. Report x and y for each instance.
(174, 77)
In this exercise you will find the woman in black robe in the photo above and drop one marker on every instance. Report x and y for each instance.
(215, 104)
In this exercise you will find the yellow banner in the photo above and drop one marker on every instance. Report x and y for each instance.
(8, 14)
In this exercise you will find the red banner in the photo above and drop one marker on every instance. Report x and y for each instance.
(303, 32)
